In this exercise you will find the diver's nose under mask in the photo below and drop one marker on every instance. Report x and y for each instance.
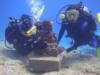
(72, 15)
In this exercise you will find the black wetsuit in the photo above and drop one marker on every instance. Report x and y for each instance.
(82, 31)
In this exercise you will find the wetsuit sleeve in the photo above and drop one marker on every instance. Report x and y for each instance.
(61, 33)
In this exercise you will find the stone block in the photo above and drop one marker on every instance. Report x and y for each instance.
(44, 64)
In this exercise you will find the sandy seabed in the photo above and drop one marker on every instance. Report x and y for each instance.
(72, 64)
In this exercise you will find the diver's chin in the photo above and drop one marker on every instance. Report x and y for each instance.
(72, 21)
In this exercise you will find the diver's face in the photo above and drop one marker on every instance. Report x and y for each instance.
(72, 15)
(27, 21)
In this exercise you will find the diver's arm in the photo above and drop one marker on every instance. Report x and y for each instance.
(62, 30)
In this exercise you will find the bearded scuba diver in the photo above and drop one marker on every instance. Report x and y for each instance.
(80, 26)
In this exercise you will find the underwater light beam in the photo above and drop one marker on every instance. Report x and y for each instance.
(37, 8)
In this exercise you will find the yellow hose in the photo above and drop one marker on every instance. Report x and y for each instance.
(98, 52)
(98, 17)
(31, 31)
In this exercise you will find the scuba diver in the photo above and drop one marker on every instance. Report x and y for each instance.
(22, 34)
(15, 34)
(80, 26)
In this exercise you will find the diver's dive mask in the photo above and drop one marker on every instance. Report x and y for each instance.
(71, 15)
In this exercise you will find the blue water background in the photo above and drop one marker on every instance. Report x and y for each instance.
(15, 8)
